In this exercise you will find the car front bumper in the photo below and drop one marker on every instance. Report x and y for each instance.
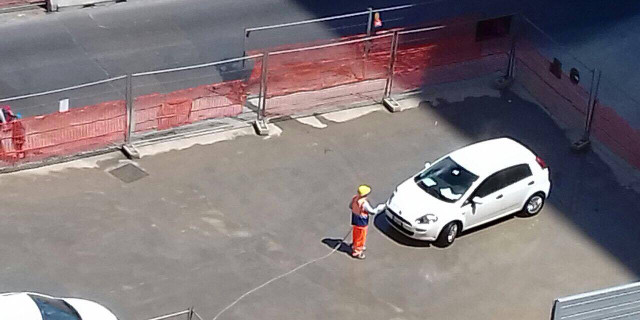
(408, 229)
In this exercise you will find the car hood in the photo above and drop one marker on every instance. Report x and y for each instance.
(411, 202)
(90, 310)
(18, 306)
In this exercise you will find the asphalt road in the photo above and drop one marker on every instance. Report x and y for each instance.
(213, 222)
(79, 46)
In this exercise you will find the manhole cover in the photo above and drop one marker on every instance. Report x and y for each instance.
(128, 173)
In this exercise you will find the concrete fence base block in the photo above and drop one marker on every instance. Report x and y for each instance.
(57, 5)
(130, 151)
(391, 104)
(502, 83)
(581, 145)
(16, 8)
(261, 127)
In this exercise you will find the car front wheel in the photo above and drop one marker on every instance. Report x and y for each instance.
(447, 235)
(533, 205)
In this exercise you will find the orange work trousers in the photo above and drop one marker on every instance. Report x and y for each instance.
(359, 239)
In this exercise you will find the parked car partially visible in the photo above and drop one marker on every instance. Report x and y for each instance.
(36, 306)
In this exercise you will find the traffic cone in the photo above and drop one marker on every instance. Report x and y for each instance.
(377, 22)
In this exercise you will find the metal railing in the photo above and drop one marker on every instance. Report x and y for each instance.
(189, 313)
(369, 13)
(44, 93)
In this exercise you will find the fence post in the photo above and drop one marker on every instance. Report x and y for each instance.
(504, 82)
(129, 96)
(585, 141)
(392, 63)
(244, 46)
(128, 149)
(387, 100)
(260, 124)
(512, 60)
(263, 87)
(367, 44)
(370, 21)
(592, 106)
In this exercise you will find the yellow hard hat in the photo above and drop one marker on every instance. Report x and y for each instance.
(364, 190)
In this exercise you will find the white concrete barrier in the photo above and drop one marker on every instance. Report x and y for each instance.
(619, 303)
(55, 5)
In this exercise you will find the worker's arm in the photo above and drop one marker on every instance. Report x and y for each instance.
(376, 210)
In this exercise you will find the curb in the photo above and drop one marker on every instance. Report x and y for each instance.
(60, 159)
(169, 135)
(25, 7)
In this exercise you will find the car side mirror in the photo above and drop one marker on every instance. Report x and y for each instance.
(427, 165)
(476, 200)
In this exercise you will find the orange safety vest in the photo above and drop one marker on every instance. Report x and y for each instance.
(359, 216)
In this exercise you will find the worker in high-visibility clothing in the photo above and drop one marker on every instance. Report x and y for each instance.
(360, 211)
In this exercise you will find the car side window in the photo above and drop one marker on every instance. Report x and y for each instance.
(490, 185)
(515, 174)
(503, 179)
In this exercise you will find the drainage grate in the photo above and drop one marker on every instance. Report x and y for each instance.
(128, 173)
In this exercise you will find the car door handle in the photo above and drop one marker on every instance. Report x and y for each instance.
(498, 197)
(531, 183)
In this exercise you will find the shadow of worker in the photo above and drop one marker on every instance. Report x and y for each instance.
(339, 243)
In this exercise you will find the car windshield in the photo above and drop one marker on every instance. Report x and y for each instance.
(55, 309)
(446, 180)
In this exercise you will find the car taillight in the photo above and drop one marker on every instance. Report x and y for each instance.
(541, 163)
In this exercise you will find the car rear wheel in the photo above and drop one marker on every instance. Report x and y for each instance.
(447, 235)
(533, 205)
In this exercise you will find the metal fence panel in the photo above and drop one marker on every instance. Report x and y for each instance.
(620, 303)
(616, 121)
(446, 53)
(90, 116)
(545, 67)
(171, 98)
(327, 77)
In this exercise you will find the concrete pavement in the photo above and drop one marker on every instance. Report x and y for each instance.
(216, 220)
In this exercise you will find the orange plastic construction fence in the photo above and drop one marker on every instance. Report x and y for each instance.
(163, 111)
(567, 102)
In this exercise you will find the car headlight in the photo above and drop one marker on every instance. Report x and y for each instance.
(427, 218)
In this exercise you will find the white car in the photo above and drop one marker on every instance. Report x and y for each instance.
(35, 306)
(467, 188)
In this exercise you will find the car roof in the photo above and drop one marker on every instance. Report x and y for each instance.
(18, 306)
(486, 157)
